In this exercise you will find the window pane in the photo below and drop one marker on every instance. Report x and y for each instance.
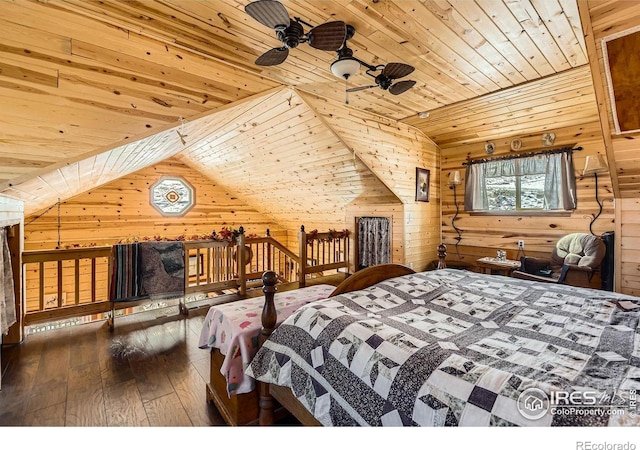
(532, 191)
(501, 192)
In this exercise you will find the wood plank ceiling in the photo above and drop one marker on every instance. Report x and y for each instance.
(88, 87)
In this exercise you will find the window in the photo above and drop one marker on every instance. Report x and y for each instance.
(172, 196)
(541, 182)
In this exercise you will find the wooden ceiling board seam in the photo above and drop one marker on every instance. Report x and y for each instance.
(195, 87)
(514, 31)
(145, 28)
(559, 26)
(534, 26)
(234, 65)
(432, 42)
(570, 8)
(494, 35)
(467, 32)
(456, 37)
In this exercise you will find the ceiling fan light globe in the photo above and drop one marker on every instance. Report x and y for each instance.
(345, 67)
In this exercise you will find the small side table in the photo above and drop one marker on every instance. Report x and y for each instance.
(496, 266)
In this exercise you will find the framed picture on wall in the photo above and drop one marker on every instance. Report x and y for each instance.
(422, 185)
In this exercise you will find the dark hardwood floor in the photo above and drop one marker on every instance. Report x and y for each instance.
(148, 372)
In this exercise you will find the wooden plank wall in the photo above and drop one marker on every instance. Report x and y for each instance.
(630, 248)
(392, 150)
(482, 235)
(121, 209)
(606, 18)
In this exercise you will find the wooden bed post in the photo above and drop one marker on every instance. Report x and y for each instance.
(302, 242)
(269, 319)
(442, 254)
(241, 261)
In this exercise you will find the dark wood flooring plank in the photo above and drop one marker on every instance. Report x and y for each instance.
(167, 411)
(85, 343)
(152, 383)
(51, 416)
(47, 394)
(190, 388)
(124, 406)
(17, 386)
(54, 360)
(86, 410)
(85, 400)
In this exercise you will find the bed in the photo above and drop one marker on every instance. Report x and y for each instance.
(453, 348)
(230, 331)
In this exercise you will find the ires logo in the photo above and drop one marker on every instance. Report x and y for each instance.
(586, 398)
(533, 403)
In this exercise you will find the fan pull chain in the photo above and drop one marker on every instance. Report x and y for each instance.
(346, 90)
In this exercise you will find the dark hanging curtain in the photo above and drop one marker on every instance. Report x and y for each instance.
(7, 295)
(374, 241)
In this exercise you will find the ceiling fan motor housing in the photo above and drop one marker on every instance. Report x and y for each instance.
(290, 36)
(383, 82)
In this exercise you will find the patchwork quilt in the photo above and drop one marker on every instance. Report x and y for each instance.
(457, 348)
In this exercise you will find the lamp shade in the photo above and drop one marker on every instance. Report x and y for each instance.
(595, 164)
(454, 177)
(345, 67)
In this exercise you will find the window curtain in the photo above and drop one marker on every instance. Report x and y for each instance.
(559, 184)
(373, 241)
(7, 295)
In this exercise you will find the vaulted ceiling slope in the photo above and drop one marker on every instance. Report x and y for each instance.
(90, 89)
(271, 150)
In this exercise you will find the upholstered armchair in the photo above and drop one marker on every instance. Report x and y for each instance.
(574, 260)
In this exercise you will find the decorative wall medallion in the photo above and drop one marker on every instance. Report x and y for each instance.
(516, 144)
(489, 147)
(172, 196)
(548, 139)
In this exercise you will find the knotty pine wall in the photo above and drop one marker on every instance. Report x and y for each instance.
(482, 235)
(121, 209)
(600, 20)
(392, 150)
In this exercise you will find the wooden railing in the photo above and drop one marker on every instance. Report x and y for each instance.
(322, 252)
(65, 283)
(266, 253)
(75, 282)
(210, 266)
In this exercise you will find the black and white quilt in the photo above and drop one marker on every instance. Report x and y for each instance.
(457, 348)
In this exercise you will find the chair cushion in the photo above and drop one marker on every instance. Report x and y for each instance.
(581, 249)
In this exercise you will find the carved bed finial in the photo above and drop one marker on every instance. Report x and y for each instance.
(269, 318)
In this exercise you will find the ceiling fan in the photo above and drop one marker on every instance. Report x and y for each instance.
(386, 79)
(346, 65)
(329, 36)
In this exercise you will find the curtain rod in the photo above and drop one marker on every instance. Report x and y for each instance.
(522, 155)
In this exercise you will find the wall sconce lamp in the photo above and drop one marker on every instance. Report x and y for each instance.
(595, 164)
(454, 180)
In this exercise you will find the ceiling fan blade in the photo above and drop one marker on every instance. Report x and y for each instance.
(270, 13)
(397, 70)
(328, 36)
(401, 86)
(361, 88)
(273, 57)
